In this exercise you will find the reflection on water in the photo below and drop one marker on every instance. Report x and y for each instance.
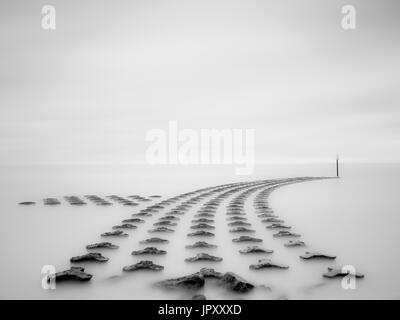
(353, 218)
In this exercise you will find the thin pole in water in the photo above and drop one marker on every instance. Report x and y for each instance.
(337, 166)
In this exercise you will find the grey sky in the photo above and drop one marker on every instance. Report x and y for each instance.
(88, 91)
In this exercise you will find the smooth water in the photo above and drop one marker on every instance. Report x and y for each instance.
(355, 217)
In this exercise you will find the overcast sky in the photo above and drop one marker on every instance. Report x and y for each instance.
(89, 91)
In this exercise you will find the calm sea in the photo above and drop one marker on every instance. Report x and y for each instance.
(355, 218)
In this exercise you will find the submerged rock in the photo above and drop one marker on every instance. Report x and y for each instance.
(133, 220)
(236, 218)
(203, 220)
(282, 234)
(210, 273)
(116, 233)
(235, 206)
(105, 203)
(199, 297)
(157, 206)
(93, 256)
(274, 220)
(264, 210)
(161, 229)
(75, 273)
(235, 213)
(125, 226)
(246, 239)
(149, 210)
(143, 265)
(190, 282)
(203, 257)
(176, 212)
(278, 226)
(267, 263)
(239, 223)
(149, 250)
(165, 223)
(267, 215)
(255, 249)
(202, 226)
(316, 255)
(75, 201)
(107, 245)
(27, 203)
(207, 210)
(241, 229)
(154, 240)
(169, 218)
(204, 215)
(333, 273)
(98, 201)
(228, 280)
(129, 203)
(296, 243)
(51, 201)
(201, 233)
(201, 244)
(235, 283)
(141, 214)
(123, 201)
